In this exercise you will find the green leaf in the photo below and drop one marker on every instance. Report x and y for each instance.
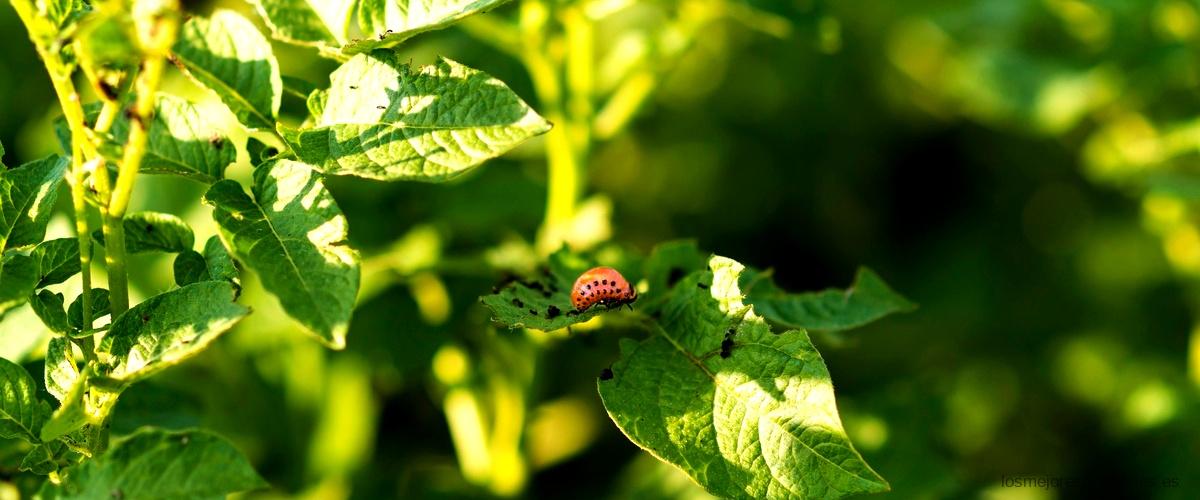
(867, 300)
(227, 54)
(57, 260)
(184, 142)
(759, 421)
(60, 370)
(154, 463)
(18, 279)
(668, 263)
(154, 232)
(27, 196)
(544, 303)
(393, 21)
(40, 460)
(294, 235)
(169, 328)
(307, 22)
(107, 51)
(220, 264)
(298, 87)
(21, 413)
(100, 308)
(385, 120)
(50, 307)
(190, 267)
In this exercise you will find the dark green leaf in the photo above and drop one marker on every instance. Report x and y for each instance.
(153, 463)
(543, 303)
(18, 279)
(21, 413)
(100, 308)
(190, 268)
(668, 263)
(154, 232)
(748, 413)
(220, 264)
(27, 195)
(294, 235)
(108, 52)
(169, 328)
(867, 300)
(60, 369)
(51, 308)
(298, 87)
(227, 54)
(41, 459)
(384, 120)
(57, 260)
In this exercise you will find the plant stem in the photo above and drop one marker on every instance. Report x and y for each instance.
(135, 150)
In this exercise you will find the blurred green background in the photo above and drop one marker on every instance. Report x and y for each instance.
(1025, 170)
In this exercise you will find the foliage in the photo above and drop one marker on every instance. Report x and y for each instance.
(757, 416)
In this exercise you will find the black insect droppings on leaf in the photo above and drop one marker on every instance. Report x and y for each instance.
(606, 374)
(726, 348)
(674, 276)
(517, 302)
(533, 312)
(552, 312)
(701, 286)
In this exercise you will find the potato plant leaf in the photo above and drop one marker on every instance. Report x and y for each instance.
(190, 267)
(307, 22)
(544, 303)
(85, 403)
(18, 279)
(748, 413)
(60, 369)
(384, 120)
(389, 22)
(168, 328)
(293, 233)
(50, 307)
(227, 54)
(155, 463)
(21, 412)
(27, 195)
(100, 308)
(154, 232)
(57, 259)
(867, 300)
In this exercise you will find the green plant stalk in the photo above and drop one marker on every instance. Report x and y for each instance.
(135, 150)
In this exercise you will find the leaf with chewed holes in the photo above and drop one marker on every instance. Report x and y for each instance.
(383, 119)
(748, 413)
(867, 300)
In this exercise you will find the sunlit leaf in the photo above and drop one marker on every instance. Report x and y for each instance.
(154, 463)
(27, 195)
(154, 232)
(749, 412)
(389, 22)
(21, 413)
(41, 459)
(293, 233)
(169, 328)
(307, 22)
(383, 119)
(60, 370)
(867, 300)
(227, 54)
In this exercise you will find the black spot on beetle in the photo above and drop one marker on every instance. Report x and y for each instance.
(701, 286)
(517, 302)
(606, 374)
(603, 282)
(597, 283)
(552, 312)
(673, 276)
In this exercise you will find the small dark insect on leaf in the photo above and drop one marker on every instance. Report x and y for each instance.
(552, 312)
(701, 286)
(533, 312)
(380, 107)
(517, 302)
(145, 318)
(216, 141)
(354, 87)
(606, 374)
(382, 36)
(726, 348)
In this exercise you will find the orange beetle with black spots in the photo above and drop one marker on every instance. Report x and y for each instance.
(604, 286)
